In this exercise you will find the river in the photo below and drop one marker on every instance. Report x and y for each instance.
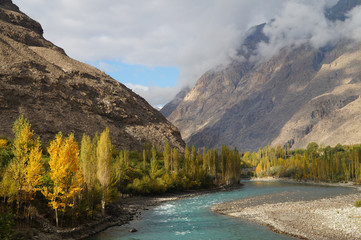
(192, 218)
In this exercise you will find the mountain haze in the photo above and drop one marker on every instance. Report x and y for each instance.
(57, 93)
(299, 95)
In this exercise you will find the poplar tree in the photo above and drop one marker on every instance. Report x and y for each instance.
(64, 172)
(193, 161)
(176, 160)
(154, 163)
(34, 170)
(88, 161)
(21, 148)
(187, 159)
(167, 157)
(104, 158)
(144, 159)
(88, 164)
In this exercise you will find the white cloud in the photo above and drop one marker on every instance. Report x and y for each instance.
(156, 96)
(191, 35)
(302, 22)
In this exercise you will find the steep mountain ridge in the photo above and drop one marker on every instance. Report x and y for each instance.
(57, 93)
(301, 94)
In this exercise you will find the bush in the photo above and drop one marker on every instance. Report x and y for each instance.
(6, 225)
(357, 203)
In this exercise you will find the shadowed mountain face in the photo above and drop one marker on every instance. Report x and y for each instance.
(298, 96)
(57, 93)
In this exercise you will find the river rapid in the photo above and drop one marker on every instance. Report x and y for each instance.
(192, 218)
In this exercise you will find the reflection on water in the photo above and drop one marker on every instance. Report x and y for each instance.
(192, 218)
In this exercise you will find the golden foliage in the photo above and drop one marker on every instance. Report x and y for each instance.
(3, 143)
(258, 169)
(64, 171)
(104, 158)
(34, 169)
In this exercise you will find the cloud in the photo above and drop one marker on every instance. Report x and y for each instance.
(304, 22)
(191, 35)
(156, 96)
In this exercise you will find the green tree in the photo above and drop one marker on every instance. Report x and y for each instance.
(167, 157)
(154, 164)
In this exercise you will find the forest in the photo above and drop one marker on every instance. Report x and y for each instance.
(70, 182)
(328, 164)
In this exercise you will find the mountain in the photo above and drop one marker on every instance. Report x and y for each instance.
(299, 95)
(172, 105)
(57, 93)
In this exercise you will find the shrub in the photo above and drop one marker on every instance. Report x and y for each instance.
(3, 143)
(357, 203)
(6, 225)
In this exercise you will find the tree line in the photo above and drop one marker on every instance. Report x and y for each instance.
(331, 164)
(69, 181)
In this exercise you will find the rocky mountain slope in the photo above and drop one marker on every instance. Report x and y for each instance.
(301, 94)
(57, 93)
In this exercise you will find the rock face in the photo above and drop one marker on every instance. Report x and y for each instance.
(298, 96)
(57, 93)
(172, 105)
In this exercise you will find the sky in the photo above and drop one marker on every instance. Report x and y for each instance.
(157, 47)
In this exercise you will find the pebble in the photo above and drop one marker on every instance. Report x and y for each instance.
(332, 218)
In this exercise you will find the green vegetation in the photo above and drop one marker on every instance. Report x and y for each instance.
(331, 164)
(357, 203)
(71, 183)
(6, 224)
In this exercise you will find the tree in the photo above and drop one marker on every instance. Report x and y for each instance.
(64, 172)
(154, 164)
(176, 160)
(187, 160)
(104, 158)
(88, 165)
(88, 161)
(34, 170)
(167, 157)
(21, 148)
(193, 161)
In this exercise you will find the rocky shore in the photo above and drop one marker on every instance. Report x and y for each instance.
(328, 218)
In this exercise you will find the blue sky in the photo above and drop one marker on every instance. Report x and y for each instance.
(137, 74)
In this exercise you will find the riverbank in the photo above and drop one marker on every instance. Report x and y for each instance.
(291, 180)
(118, 213)
(328, 218)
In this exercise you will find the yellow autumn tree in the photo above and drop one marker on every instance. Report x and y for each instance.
(258, 169)
(22, 145)
(34, 170)
(104, 158)
(64, 172)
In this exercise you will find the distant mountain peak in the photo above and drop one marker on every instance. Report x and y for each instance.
(340, 9)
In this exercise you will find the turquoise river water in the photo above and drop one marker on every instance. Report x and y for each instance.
(192, 218)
